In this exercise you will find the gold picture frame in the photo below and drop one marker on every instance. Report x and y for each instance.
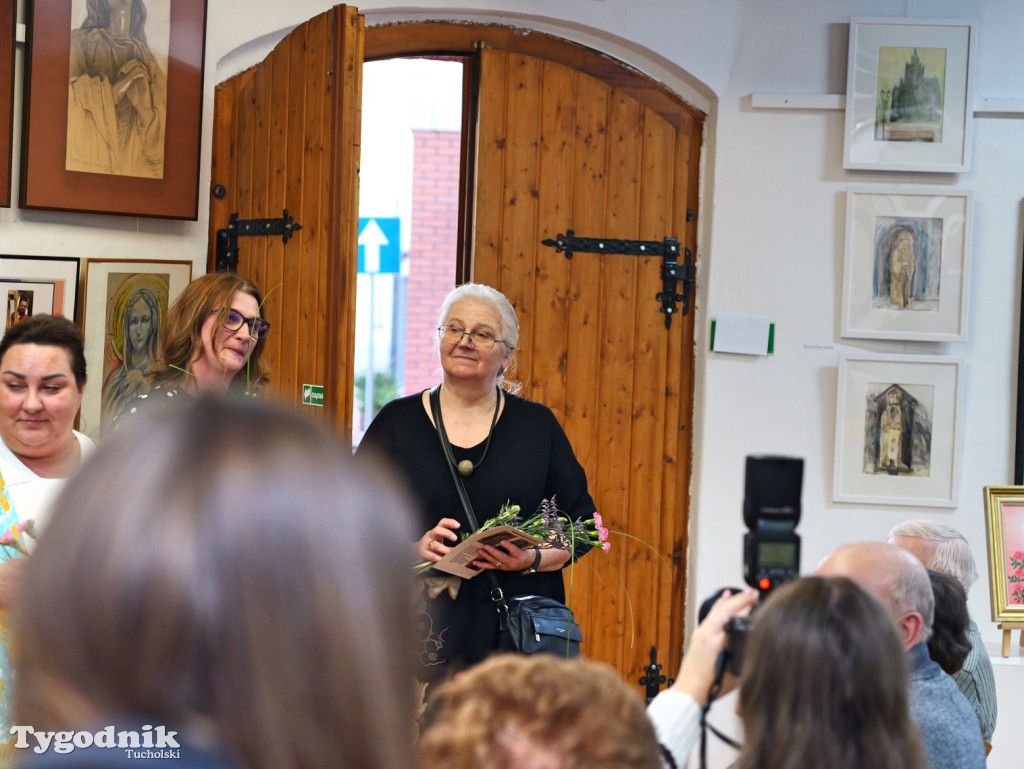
(1004, 522)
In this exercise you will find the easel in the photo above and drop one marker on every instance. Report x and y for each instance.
(1008, 628)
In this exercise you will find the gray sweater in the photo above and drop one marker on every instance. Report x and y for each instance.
(948, 724)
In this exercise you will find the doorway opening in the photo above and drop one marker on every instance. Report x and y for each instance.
(409, 185)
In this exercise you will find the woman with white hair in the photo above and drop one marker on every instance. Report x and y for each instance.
(505, 449)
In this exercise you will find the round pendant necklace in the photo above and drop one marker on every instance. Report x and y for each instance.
(466, 467)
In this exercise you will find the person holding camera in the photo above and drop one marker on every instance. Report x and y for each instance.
(676, 711)
(827, 685)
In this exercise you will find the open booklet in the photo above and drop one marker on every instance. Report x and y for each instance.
(458, 560)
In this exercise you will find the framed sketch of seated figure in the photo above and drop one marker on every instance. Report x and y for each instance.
(112, 121)
(117, 87)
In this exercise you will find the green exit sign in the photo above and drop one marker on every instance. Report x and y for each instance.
(312, 395)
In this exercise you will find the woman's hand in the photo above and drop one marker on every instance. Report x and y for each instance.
(697, 673)
(507, 557)
(431, 546)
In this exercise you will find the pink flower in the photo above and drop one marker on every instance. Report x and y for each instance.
(1020, 573)
(7, 538)
(28, 526)
(1019, 555)
(599, 523)
(602, 535)
(606, 546)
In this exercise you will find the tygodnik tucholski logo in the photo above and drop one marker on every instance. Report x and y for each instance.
(150, 742)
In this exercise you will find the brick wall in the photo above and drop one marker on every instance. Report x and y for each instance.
(435, 209)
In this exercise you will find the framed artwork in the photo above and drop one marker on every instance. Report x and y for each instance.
(123, 317)
(1004, 521)
(910, 94)
(898, 425)
(8, 27)
(907, 263)
(38, 285)
(105, 134)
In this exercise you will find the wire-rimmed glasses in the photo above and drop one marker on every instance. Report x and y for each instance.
(480, 340)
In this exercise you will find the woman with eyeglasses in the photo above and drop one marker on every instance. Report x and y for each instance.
(213, 342)
(504, 448)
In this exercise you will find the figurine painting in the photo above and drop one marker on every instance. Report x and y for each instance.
(910, 91)
(907, 263)
(898, 429)
(1013, 551)
(117, 87)
(136, 308)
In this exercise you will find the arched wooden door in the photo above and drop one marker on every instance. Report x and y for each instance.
(286, 136)
(559, 149)
(562, 138)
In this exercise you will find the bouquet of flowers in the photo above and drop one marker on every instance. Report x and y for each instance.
(13, 539)
(547, 523)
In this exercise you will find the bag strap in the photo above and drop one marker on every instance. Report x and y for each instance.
(497, 596)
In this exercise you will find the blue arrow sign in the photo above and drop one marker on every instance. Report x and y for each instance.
(379, 245)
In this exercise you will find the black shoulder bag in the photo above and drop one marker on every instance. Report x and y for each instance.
(532, 623)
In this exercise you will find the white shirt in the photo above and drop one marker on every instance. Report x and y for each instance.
(31, 495)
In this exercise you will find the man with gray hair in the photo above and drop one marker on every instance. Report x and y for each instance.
(947, 724)
(943, 548)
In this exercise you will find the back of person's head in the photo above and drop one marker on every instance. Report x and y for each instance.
(232, 564)
(49, 331)
(541, 712)
(949, 644)
(893, 575)
(825, 682)
(939, 547)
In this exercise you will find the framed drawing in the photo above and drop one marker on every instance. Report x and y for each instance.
(8, 26)
(898, 425)
(907, 263)
(114, 131)
(1004, 521)
(124, 310)
(910, 94)
(38, 285)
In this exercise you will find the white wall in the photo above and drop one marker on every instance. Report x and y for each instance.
(771, 238)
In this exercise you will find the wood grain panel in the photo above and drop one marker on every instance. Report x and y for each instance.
(597, 160)
(489, 205)
(293, 142)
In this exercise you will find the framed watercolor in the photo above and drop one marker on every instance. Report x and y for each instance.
(84, 152)
(38, 285)
(910, 94)
(124, 308)
(898, 425)
(907, 263)
(8, 27)
(1004, 521)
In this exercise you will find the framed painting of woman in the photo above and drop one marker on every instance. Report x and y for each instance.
(125, 306)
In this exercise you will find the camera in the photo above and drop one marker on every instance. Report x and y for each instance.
(771, 511)
(771, 547)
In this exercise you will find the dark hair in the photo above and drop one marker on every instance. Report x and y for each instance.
(245, 568)
(828, 683)
(49, 331)
(183, 333)
(949, 644)
(511, 707)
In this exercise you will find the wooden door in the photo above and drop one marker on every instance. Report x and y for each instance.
(286, 136)
(558, 149)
